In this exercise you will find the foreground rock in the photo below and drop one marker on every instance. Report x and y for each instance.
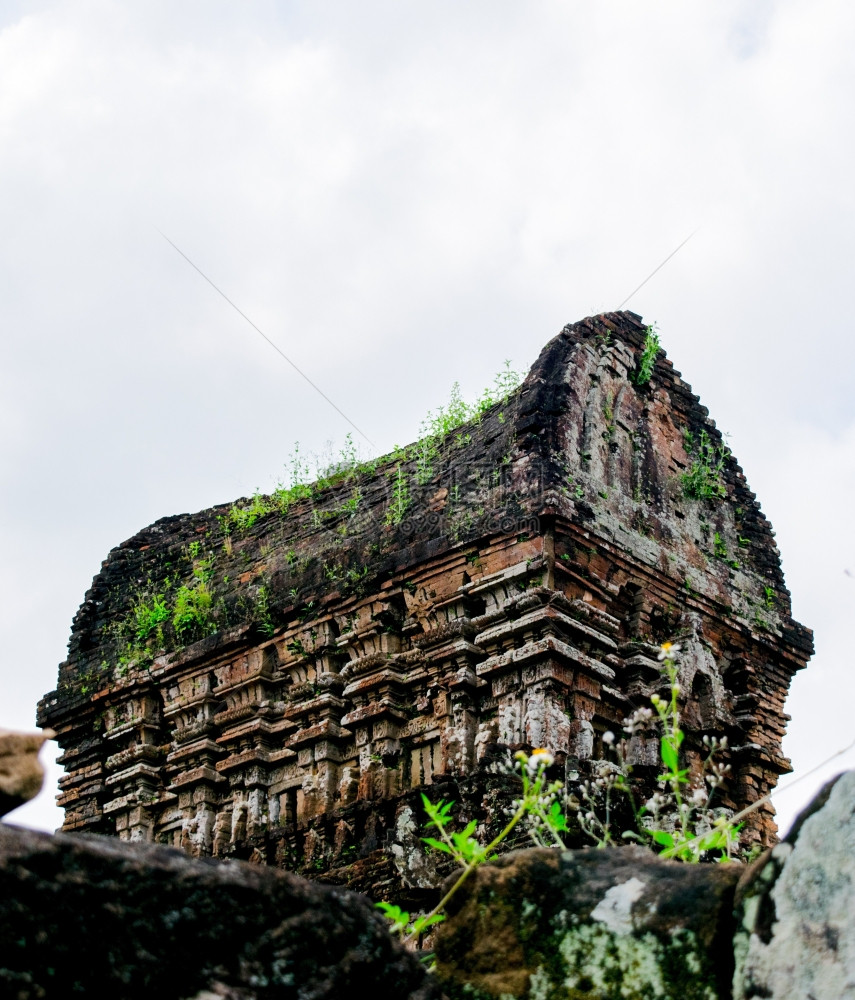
(797, 938)
(98, 917)
(95, 917)
(616, 923)
(21, 771)
(622, 924)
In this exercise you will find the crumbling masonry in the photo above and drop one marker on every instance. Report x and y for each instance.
(403, 625)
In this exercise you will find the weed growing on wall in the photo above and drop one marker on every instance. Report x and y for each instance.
(649, 352)
(192, 612)
(306, 479)
(143, 624)
(439, 423)
(187, 608)
(442, 421)
(704, 480)
(678, 821)
(400, 497)
(149, 614)
(465, 849)
(261, 611)
(183, 611)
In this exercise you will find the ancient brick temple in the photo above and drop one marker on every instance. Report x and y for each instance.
(279, 682)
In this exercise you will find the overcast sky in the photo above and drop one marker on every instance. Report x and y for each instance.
(402, 194)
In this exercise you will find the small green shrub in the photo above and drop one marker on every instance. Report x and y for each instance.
(400, 497)
(703, 481)
(441, 422)
(465, 849)
(649, 352)
(243, 518)
(148, 615)
(192, 611)
(261, 611)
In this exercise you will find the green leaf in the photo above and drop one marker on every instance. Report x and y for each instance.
(421, 924)
(437, 845)
(398, 918)
(715, 839)
(680, 777)
(439, 814)
(556, 818)
(467, 846)
(669, 755)
(468, 830)
(662, 837)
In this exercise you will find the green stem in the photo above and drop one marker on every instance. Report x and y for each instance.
(451, 846)
(556, 840)
(472, 865)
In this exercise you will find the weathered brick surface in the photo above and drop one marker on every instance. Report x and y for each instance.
(519, 602)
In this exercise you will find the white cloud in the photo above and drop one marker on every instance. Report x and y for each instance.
(809, 480)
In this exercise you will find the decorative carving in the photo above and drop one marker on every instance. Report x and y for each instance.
(519, 604)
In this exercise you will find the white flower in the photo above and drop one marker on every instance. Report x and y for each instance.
(540, 758)
(655, 803)
(608, 737)
(668, 650)
(640, 718)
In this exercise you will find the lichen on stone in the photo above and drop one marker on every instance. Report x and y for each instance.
(610, 965)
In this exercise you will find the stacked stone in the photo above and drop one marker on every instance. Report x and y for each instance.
(519, 602)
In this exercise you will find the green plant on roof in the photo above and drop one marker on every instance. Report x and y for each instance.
(703, 480)
(148, 615)
(400, 497)
(439, 423)
(649, 351)
(243, 518)
(351, 505)
(446, 418)
(192, 611)
(303, 482)
(506, 381)
(193, 608)
(261, 611)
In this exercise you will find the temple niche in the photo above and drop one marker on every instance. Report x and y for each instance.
(281, 683)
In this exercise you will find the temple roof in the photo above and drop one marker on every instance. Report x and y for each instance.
(634, 463)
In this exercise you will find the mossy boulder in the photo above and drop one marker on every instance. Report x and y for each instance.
(615, 924)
